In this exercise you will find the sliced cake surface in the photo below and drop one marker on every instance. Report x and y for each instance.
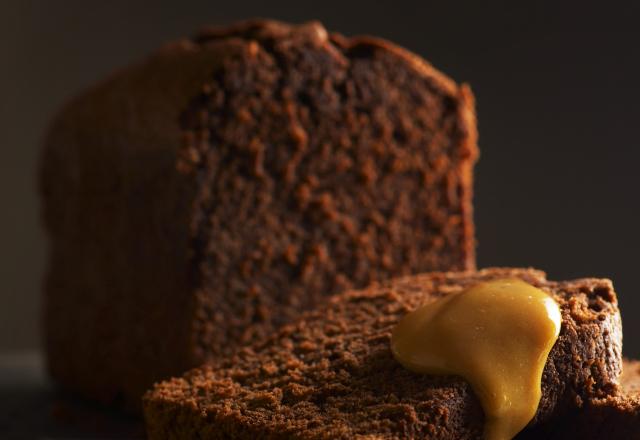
(332, 375)
(203, 197)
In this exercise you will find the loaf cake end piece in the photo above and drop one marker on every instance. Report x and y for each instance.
(201, 198)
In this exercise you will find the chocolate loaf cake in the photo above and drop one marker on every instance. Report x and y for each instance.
(201, 198)
(332, 374)
(614, 417)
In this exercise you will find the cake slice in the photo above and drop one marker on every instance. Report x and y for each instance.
(614, 417)
(332, 375)
(196, 201)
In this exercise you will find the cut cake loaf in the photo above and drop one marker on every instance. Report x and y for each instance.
(199, 199)
(332, 375)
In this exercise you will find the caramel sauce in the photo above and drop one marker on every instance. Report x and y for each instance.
(497, 335)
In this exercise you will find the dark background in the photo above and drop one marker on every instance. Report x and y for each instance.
(558, 108)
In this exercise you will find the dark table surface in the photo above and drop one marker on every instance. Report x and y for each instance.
(32, 408)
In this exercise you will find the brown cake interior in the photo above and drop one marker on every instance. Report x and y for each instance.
(325, 163)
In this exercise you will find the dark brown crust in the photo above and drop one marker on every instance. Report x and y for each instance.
(613, 418)
(117, 303)
(332, 375)
(201, 198)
